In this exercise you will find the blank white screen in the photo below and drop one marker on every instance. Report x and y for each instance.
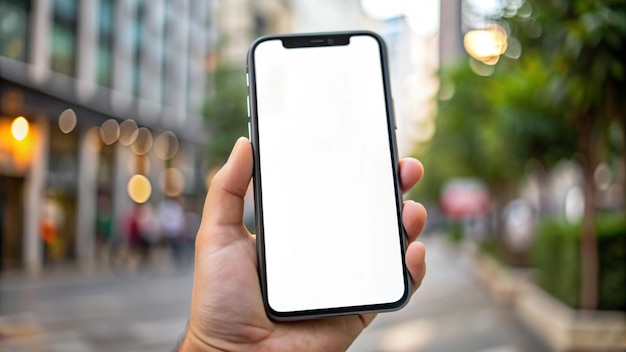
(328, 197)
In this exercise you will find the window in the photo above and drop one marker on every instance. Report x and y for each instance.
(104, 54)
(14, 22)
(137, 37)
(63, 48)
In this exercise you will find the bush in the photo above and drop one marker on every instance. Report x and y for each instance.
(454, 231)
(556, 255)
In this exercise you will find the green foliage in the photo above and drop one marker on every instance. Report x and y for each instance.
(584, 44)
(226, 113)
(455, 149)
(454, 231)
(563, 98)
(556, 255)
(492, 126)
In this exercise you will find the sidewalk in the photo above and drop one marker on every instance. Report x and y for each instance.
(71, 310)
(451, 311)
(71, 273)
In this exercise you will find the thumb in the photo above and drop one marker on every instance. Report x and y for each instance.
(224, 202)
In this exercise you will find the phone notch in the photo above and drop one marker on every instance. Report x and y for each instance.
(291, 42)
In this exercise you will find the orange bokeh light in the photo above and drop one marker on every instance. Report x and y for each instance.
(19, 128)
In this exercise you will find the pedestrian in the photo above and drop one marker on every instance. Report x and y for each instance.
(104, 231)
(136, 238)
(227, 309)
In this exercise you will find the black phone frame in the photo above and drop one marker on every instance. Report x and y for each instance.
(314, 40)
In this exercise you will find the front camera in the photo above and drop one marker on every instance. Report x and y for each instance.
(331, 41)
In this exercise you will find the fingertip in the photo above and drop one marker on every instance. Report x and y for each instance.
(240, 143)
(411, 171)
(224, 202)
(416, 262)
(414, 217)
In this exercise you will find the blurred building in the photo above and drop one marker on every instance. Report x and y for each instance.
(451, 33)
(133, 73)
(240, 22)
(413, 64)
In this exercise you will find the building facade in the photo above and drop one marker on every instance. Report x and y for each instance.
(92, 93)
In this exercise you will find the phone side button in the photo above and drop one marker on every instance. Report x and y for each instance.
(249, 131)
(248, 103)
(393, 111)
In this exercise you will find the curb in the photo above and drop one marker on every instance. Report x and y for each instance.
(561, 327)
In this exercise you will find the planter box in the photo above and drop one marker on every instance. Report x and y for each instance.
(501, 281)
(561, 327)
(567, 329)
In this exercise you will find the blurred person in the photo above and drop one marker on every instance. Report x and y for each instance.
(50, 223)
(172, 221)
(104, 231)
(48, 230)
(138, 244)
(227, 309)
(150, 225)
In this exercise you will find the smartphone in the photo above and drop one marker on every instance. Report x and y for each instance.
(327, 195)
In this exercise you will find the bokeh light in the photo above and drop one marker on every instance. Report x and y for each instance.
(574, 205)
(67, 121)
(603, 176)
(109, 131)
(128, 132)
(19, 128)
(513, 48)
(166, 145)
(172, 182)
(139, 189)
(486, 45)
(480, 68)
(143, 142)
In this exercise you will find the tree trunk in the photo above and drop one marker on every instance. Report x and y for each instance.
(589, 243)
(623, 173)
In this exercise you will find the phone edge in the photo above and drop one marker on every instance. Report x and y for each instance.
(391, 126)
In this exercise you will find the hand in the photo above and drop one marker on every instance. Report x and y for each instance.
(227, 309)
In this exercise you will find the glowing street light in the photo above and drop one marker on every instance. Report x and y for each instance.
(19, 128)
(486, 45)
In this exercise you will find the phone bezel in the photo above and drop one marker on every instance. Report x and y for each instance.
(312, 40)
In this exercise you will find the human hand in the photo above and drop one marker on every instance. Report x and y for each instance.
(227, 312)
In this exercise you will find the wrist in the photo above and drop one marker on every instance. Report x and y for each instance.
(189, 345)
(192, 343)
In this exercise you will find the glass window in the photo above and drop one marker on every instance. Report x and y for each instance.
(14, 21)
(63, 48)
(104, 60)
(138, 36)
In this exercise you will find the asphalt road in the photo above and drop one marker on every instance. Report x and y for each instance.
(147, 311)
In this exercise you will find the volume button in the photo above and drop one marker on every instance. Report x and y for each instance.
(249, 131)
(393, 111)
(248, 103)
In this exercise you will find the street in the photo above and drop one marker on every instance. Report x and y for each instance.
(147, 311)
